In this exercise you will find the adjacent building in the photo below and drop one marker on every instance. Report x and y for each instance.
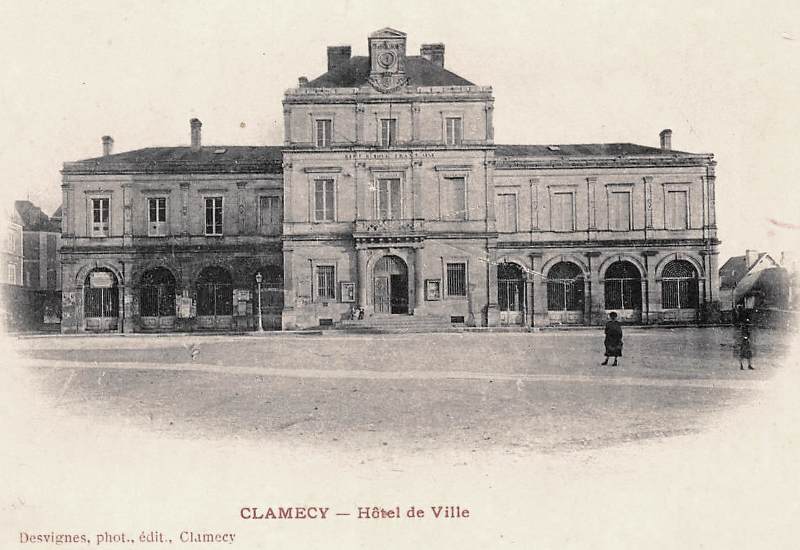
(391, 197)
(41, 272)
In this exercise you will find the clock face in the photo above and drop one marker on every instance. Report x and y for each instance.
(386, 59)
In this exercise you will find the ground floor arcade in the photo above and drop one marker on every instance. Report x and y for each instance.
(476, 283)
(172, 293)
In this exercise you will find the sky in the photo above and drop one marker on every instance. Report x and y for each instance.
(724, 76)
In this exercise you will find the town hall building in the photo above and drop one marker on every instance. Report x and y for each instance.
(389, 199)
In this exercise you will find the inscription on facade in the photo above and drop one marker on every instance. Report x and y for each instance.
(388, 155)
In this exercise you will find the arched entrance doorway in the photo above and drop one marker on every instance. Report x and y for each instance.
(511, 294)
(565, 293)
(390, 284)
(680, 291)
(101, 301)
(623, 290)
(157, 299)
(214, 299)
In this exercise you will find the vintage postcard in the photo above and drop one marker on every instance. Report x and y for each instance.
(400, 275)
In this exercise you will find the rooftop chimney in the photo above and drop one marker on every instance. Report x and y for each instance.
(302, 82)
(433, 53)
(666, 139)
(196, 125)
(750, 257)
(338, 56)
(108, 145)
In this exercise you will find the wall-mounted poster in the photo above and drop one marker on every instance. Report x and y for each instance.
(433, 289)
(348, 292)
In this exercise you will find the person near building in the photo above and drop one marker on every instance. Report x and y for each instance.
(613, 339)
(745, 342)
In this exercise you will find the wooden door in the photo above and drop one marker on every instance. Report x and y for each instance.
(383, 302)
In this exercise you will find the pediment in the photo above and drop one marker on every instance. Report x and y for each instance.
(388, 32)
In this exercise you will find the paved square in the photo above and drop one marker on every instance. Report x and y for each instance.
(543, 391)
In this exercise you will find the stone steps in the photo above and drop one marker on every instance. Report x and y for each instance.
(400, 323)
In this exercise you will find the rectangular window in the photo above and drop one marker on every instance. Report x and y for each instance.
(619, 210)
(507, 213)
(100, 209)
(454, 130)
(12, 274)
(324, 129)
(388, 132)
(457, 279)
(157, 216)
(388, 199)
(213, 215)
(563, 211)
(677, 210)
(323, 200)
(270, 215)
(326, 282)
(455, 196)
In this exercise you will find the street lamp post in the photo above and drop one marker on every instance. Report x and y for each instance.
(259, 278)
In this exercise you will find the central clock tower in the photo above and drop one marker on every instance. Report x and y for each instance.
(387, 55)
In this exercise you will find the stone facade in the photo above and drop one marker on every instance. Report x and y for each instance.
(395, 200)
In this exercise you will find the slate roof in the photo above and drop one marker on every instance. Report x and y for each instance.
(583, 150)
(355, 73)
(210, 159)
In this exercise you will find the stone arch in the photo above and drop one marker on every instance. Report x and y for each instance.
(569, 258)
(149, 265)
(517, 260)
(83, 272)
(604, 265)
(698, 266)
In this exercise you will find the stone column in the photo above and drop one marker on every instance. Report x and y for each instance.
(362, 256)
(419, 280)
(539, 291)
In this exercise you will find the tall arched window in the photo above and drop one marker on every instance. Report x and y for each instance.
(679, 286)
(157, 293)
(101, 294)
(214, 292)
(623, 286)
(565, 287)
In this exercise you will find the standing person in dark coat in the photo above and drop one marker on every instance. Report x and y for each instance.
(745, 342)
(613, 339)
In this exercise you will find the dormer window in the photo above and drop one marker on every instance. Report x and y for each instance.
(388, 132)
(324, 131)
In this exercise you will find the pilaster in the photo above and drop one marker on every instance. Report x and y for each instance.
(539, 291)
(362, 256)
(184, 209)
(492, 311)
(419, 282)
(241, 208)
(595, 298)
